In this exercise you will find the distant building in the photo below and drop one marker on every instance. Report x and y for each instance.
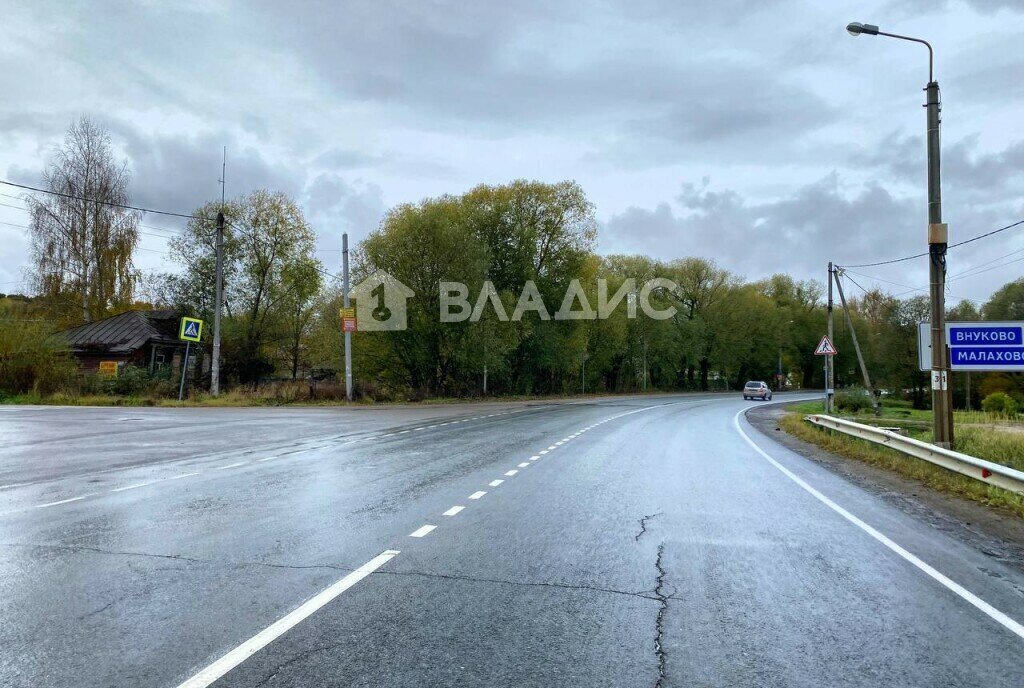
(141, 338)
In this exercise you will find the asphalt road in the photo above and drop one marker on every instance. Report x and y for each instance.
(637, 541)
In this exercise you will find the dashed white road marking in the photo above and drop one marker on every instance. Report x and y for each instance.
(256, 643)
(454, 510)
(421, 531)
(184, 475)
(534, 457)
(136, 485)
(477, 495)
(511, 473)
(524, 464)
(64, 501)
(543, 452)
(232, 465)
(552, 447)
(495, 483)
(965, 594)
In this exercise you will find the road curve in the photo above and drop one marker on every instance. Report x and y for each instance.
(633, 541)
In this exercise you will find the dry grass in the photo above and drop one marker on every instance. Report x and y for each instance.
(980, 442)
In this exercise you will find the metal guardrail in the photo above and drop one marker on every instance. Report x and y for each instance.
(973, 467)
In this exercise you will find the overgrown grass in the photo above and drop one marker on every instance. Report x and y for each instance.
(897, 410)
(989, 444)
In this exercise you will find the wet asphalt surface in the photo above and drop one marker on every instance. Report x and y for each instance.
(137, 546)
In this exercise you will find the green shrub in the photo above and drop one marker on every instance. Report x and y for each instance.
(31, 360)
(853, 400)
(1000, 403)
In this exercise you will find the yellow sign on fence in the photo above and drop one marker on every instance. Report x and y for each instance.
(108, 368)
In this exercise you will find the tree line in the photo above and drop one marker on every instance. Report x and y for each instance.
(281, 304)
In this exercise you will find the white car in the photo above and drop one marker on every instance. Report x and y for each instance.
(757, 390)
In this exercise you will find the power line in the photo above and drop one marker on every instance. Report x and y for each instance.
(994, 267)
(137, 208)
(988, 262)
(107, 203)
(921, 255)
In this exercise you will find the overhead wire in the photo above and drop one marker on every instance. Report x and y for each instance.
(921, 255)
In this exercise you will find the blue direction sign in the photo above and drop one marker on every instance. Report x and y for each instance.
(986, 345)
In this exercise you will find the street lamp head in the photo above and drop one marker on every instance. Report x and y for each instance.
(856, 29)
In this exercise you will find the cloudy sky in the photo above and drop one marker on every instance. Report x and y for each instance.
(757, 133)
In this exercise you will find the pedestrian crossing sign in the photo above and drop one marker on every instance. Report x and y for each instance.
(191, 329)
(825, 347)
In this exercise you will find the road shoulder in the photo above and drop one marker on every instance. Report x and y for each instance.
(988, 530)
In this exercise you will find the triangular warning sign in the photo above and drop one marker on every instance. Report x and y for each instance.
(825, 347)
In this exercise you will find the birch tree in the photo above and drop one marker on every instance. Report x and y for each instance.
(81, 242)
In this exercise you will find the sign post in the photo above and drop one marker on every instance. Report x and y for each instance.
(191, 331)
(827, 349)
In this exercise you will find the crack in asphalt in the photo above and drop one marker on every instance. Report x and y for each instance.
(473, 579)
(104, 608)
(659, 622)
(176, 557)
(293, 660)
(643, 525)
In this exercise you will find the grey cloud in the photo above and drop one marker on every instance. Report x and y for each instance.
(344, 159)
(491, 69)
(335, 205)
(820, 222)
(797, 234)
(973, 177)
(906, 8)
(182, 172)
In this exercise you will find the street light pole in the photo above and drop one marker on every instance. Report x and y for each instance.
(345, 304)
(938, 238)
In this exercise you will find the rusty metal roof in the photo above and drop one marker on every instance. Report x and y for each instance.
(124, 333)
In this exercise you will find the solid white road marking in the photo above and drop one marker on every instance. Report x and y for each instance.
(256, 643)
(477, 495)
(495, 483)
(454, 510)
(64, 501)
(511, 473)
(232, 465)
(184, 475)
(949, 584)
(421, 531)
